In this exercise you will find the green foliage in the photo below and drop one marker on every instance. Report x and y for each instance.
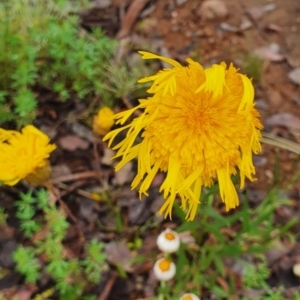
(27, 263)
(41, 45)
(244, 234)
(72, 276)
(3, 217)
(93, 264)
(255, 275)
(25, 212)
(253, 66)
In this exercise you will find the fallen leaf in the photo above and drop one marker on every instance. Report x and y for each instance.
(82, 131)
(278, 250)
(60, 170)
(275, 98)
(180, 2)
(213, 9)
(274, 27)
(256, 12)
(102, 3)
(294, 76)
(48, 130)
(124, 175)
(119, 253)
(287, 120)
(136, 209)
(72, 143)
(270, 52)
(87, 209)
(107, 156)
(228, 27)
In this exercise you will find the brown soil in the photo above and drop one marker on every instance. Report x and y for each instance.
(178, 29)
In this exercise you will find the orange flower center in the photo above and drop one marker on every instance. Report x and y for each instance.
(170, 236)
(164, 265)
(188, 297)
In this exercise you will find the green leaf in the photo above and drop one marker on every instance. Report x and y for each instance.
(58, 269)
(27, 264)
(30, 227)
(25, 102)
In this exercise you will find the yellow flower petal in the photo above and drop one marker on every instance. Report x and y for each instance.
(215, 80)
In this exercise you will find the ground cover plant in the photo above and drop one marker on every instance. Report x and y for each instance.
(42, 46)
(166, 188)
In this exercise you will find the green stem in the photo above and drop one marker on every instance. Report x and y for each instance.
(162, 287)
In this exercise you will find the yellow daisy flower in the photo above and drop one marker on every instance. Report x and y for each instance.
(24, 156)
(198, 126)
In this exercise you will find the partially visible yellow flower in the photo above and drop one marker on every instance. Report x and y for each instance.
(200, 125)
(103, 121)
(24, 156)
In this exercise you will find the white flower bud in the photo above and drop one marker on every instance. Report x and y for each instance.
(296, 269)
(164, 269)
(168, 241)
(189, 296)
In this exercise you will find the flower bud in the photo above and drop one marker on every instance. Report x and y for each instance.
(296, 269)
(103, 121)
(164, 269)
(189, 296)
(168, 241)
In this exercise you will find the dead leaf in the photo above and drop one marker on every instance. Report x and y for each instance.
(131, 17)
(119, 253)
(82, 131)
(275, 98)
(228, 27)
(48, 130)
(180, 2)
(60, 170)
(213, 9)
(257, 12)
(274, 27)
(72, 143)
(102, 3)
(287, 120)
(136, 209)
(107, 156)
(278, 250)
(124, 175)
(294, 76)
(270, 52)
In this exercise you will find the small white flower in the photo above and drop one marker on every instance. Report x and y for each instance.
(168, 241)
(189, 296)
(164, 269)
(296, 269)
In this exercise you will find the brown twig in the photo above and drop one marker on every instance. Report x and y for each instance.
(55, 192)
(129, 106)
(108, 287)
(76, 176)
(131, 16)
(97, 159)
(70, 188)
